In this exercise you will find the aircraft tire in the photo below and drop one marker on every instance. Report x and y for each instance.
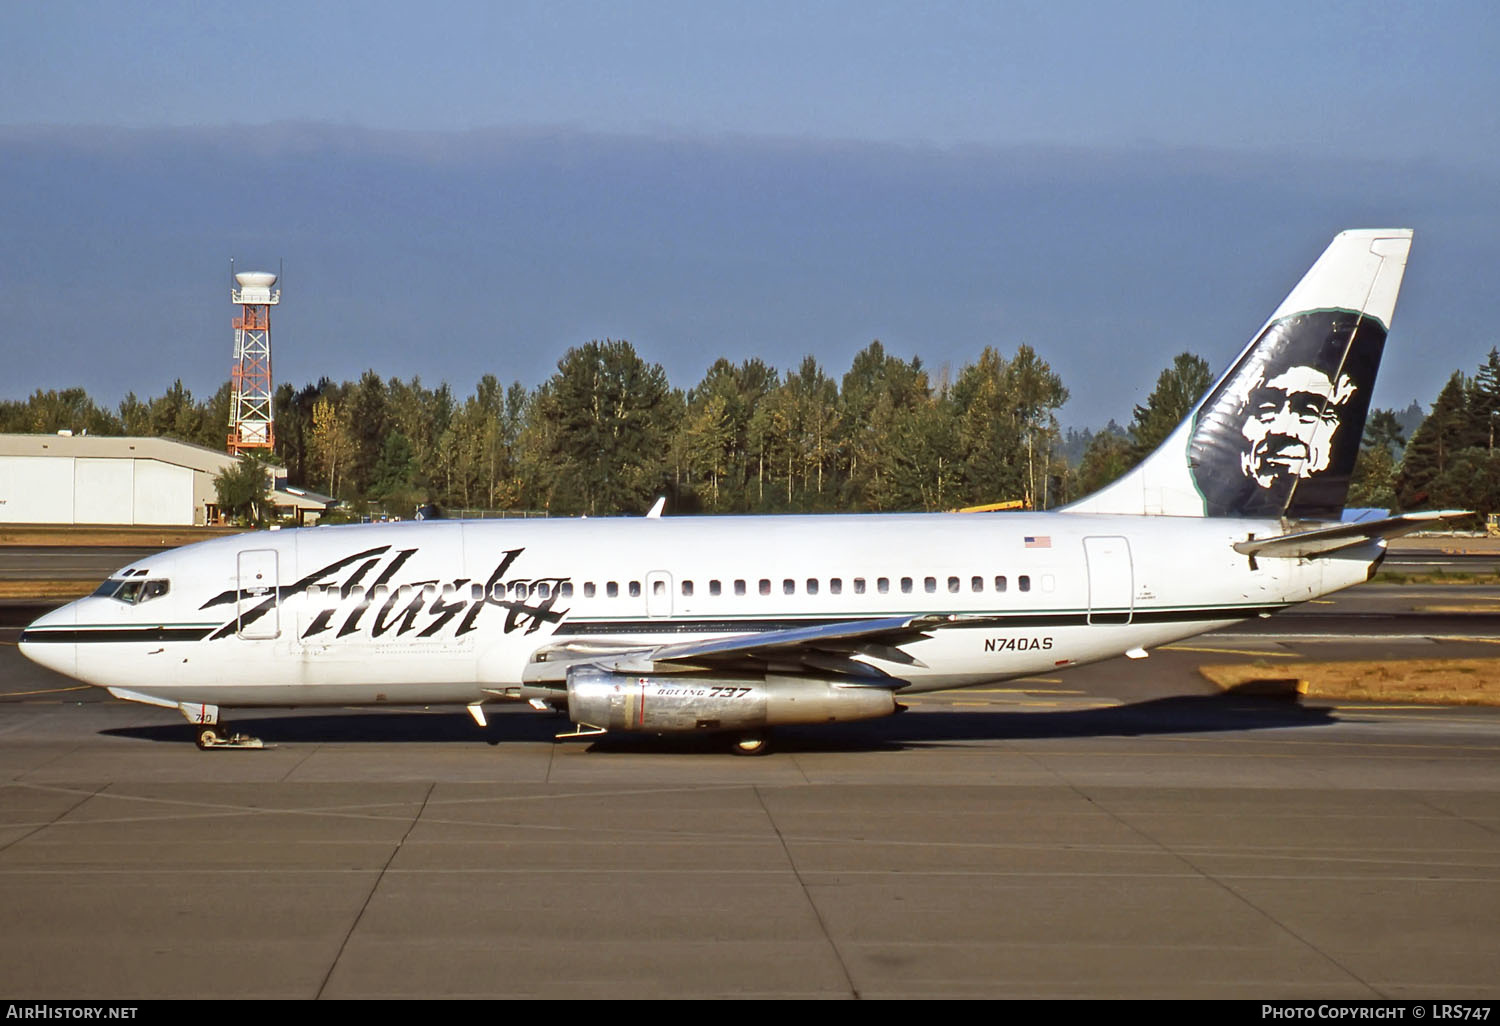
(207, 736)
(753, 743)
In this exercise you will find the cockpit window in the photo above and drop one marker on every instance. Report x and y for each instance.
(133, 592)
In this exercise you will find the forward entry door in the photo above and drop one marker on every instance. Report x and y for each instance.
(1111, 579)
(258, 608)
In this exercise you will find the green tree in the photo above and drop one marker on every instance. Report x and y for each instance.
(1178, 389)
(244, 490)
(879, 396)
(1108, 456)
(612, 415)
(1446, 432)
(332, 447)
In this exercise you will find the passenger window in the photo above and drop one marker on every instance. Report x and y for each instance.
(789, 587)
(929, 584)
(883, 585)
(715, 588)
(588, 589)
(658, 587)
(612, 589)
(476, 592)
(430, 592)
(566, 589)
(739, 587)
(542, 590)
(859, 586)
(906, 585)
(976, 584)
(687, 587)
(765, 586)
(1023, 582)
(635, 589)
(953, 585)
(999, 583)
(812, 585)
(836, 586)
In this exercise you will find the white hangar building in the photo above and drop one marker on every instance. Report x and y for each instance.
(93, 479)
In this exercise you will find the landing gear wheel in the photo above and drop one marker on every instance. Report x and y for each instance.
(754, 743)
(208, 736)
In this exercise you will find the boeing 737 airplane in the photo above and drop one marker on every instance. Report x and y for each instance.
(740, 624)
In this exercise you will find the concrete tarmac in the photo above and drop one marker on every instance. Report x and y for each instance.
(1119, 830)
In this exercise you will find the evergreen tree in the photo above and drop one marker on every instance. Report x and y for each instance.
(1446, 432)
(612, 415)
(1178, 389)
(1107, 457)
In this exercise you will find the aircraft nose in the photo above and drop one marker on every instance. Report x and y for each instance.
(50, 640)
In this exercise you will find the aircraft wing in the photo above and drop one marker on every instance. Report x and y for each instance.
(1320, 541)
(825, 648)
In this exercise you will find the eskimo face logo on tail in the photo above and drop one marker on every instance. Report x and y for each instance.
(1280, 434)
(1290, 424)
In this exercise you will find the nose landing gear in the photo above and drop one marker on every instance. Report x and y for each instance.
(220, 736)
(212, 732)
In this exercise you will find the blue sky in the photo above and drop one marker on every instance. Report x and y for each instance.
(469, 188)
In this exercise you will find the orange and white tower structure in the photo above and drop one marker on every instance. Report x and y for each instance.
(250, 420)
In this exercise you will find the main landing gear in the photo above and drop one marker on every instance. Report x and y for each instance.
(754, 742)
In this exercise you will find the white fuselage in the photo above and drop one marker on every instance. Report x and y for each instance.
(448, 612)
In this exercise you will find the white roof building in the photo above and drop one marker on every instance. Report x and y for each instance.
(94, 479)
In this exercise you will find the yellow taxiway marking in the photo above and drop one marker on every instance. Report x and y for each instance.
(1230, 651)
(1017, 691)
(49, 691)
(1320, 602)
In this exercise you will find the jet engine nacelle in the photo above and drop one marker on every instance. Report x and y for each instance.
(671, 703)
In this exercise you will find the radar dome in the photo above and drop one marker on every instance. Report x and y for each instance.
(255, 279)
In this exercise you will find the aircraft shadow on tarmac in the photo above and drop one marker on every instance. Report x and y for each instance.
(1187, 714)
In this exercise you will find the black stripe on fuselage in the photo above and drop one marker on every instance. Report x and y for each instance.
(999, 621)
(85, 635)
(594, 628)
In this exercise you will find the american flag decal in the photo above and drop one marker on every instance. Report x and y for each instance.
(1040, 541)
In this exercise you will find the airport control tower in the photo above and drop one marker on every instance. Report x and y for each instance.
(250, 420)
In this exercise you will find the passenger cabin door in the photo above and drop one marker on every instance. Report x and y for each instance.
(257, 583)
(1111, 580)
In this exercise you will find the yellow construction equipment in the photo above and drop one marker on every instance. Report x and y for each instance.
(994, 507)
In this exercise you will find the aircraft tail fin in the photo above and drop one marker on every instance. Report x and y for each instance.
(1278, 434)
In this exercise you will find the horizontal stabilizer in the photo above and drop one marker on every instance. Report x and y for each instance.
(1323, 540)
